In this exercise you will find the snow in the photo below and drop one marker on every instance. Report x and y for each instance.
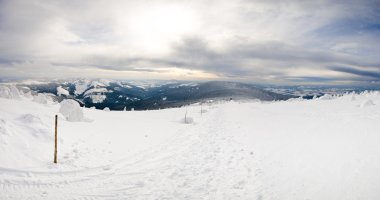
(326, 97)
(367, 103)
(96, 95)
(127, 86)
(97, 98)
(188, 84)
(96, 90)
(71, 110)
(96, 84)
(41, 98)
(62, 91)
(309, 149)
(29, 118)
(146, 84)
(81, 86)
(10, 92)
(188, 120)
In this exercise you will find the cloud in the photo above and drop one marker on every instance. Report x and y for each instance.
(358, 72)
(272, 41)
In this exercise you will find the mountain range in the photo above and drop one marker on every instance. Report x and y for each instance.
(142, 95)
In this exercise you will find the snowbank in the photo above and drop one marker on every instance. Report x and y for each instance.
(41, 98)
(326, 97)
(71, 110)
(9, 92)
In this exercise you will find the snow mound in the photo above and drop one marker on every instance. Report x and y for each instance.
(326, 97)
(106, 109)
(367, 103)
(40, 98)
(71, 110)
(62, 91)
(9, 92)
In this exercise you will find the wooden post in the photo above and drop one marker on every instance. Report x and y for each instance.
(55, 139)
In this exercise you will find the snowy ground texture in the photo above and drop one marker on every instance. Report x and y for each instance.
(327, 148)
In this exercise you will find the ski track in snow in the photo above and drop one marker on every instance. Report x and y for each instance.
(207, 165)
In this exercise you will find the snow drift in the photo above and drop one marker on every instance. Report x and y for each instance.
(71, 110)
(9, 92)
(41, 98)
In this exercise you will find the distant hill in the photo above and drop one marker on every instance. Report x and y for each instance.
(142, 95)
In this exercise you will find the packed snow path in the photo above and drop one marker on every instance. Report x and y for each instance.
(319, 149)
(202, 162)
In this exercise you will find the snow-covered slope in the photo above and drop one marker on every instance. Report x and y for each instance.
(325, 148)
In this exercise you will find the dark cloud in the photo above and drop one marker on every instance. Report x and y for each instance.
(234, 60)
(358, 72)
(307, 79)
(111, 67)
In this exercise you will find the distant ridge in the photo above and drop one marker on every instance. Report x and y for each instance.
(142, 95)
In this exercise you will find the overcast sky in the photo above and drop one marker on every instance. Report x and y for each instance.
(279, 42)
